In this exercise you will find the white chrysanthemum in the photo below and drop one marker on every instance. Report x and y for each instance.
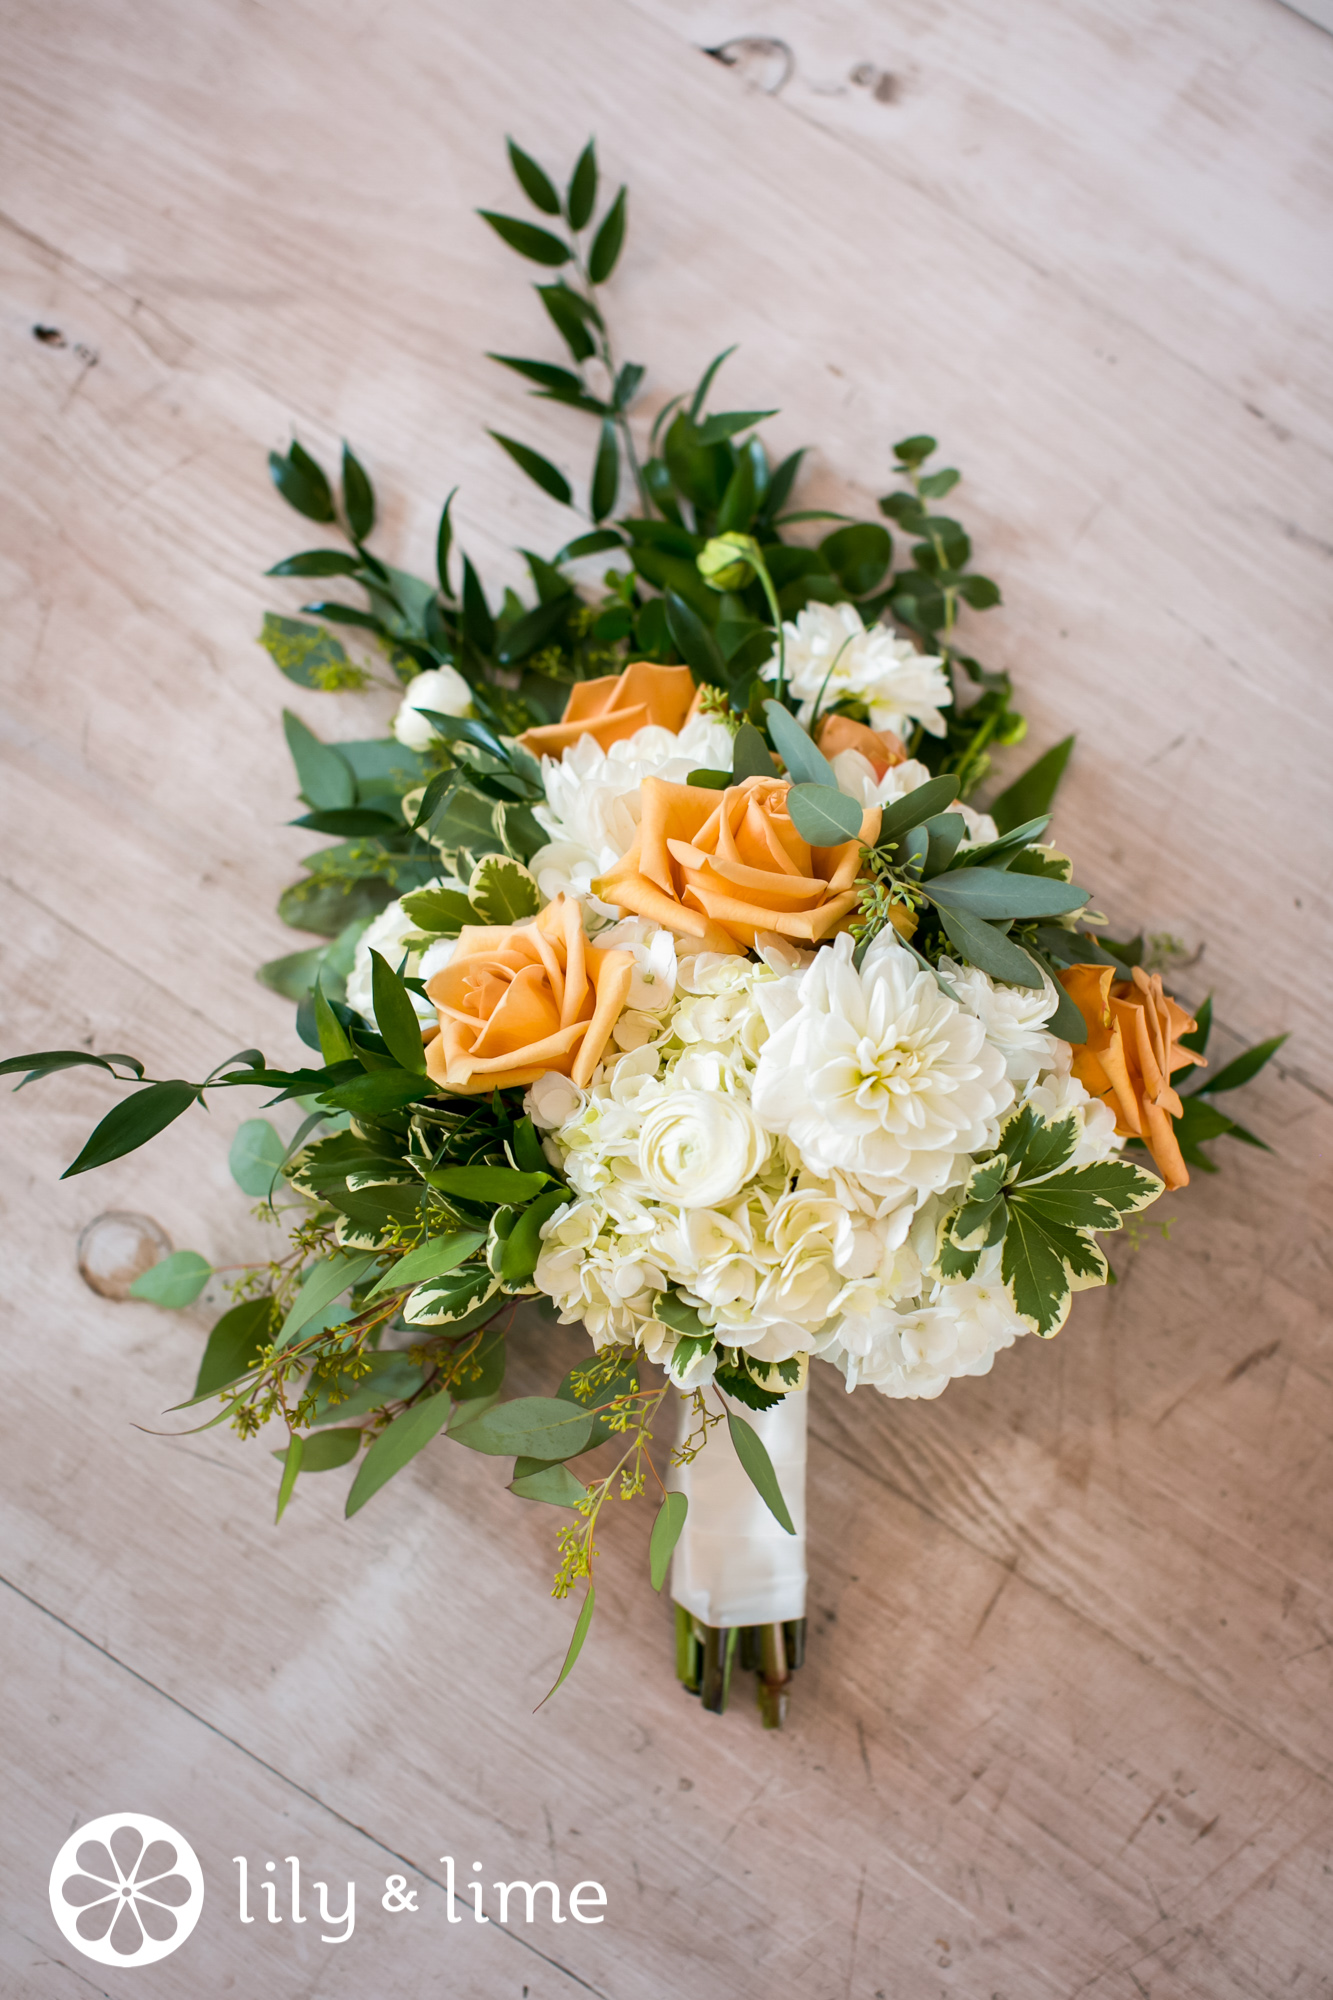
(1014, 1018)
(592, 797)
(831, 654)
(856, 777)
(440, 688)
(877, 1075)
(385, 935)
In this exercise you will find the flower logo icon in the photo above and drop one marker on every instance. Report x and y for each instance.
(126, 1889)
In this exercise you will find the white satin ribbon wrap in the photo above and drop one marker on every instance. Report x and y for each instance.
(733, 1564)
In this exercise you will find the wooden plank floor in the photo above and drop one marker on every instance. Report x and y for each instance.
(1064, 1730)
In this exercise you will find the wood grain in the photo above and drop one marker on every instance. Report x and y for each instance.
(1063, 1730)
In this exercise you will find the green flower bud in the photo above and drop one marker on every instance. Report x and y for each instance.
(729, 562)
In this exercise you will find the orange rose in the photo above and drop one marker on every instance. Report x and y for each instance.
(880, 747)
(518, 1000)
(1133, 1045)
(615, 706)
(721, 866)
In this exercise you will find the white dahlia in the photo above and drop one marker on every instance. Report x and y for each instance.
(877, 1076)
(831, 654)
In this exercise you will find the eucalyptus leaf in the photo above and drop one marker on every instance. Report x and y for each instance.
(575, 1644)
(997, 893)
(806, 765)
(823, 815)
(915, 808)
(544, 1427)
(666, 1533)
(408, 1434)
(256, 1157)
(327, 1281)
(751, 756)
(175, 1281)
(980, 944)
(324, 775)
(238, 1339)
(753, 1455)
(325, 1451)
(555, 1484)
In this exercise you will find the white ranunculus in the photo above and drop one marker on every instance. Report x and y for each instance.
(1014, 1017)
(440, 688)
(699, 1148)
(385, 935)
(831, 654)
(877, 1075)
(592, 796)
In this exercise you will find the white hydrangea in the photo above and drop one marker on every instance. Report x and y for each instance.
(831, 654)
(440, 688)
(592, 797)
(877, 1076)
(957, 1329)
(386, 935)
(778, 1144)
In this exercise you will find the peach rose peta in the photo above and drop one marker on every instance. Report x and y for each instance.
(663, 972)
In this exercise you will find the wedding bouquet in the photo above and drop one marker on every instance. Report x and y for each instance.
(669, 980)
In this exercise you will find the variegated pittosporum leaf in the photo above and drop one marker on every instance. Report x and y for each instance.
(1046, 1214)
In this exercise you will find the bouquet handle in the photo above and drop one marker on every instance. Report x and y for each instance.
(737, 1577)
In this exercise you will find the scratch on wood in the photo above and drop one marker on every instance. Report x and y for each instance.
(861, 1741)
(856, 1927)
(1251, 1361)
(996, 1595)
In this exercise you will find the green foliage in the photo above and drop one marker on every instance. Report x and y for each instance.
(132, 1122)
(1045, 1213)
(396, 1019)
(256, 1158)
(174, 1282)
(235, 1344)
(753, 1455)
(666, 1533)
(542, 1427)
(325, 1451)
(410, 1432)
(1034, 791)
(302, 483)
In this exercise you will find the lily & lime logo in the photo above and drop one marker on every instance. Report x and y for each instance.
(126, 1889)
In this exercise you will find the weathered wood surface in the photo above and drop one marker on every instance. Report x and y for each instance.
(1064, 1729)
